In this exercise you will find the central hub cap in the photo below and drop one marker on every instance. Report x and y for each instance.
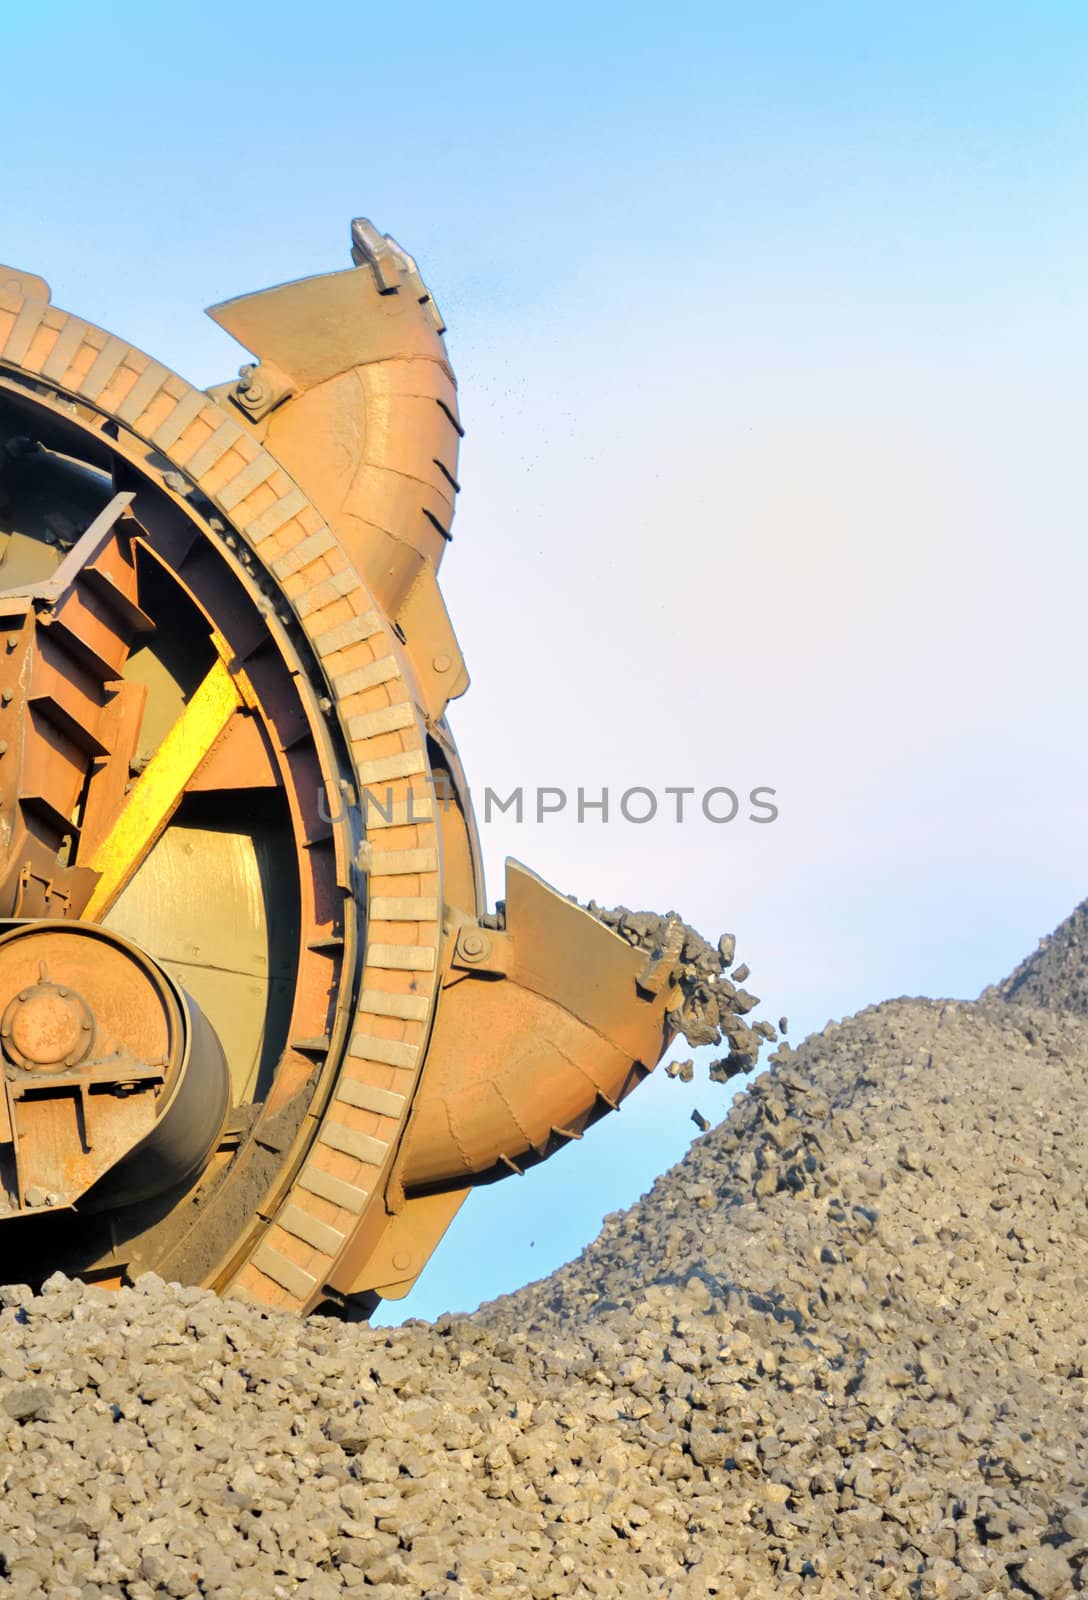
(47, 1028)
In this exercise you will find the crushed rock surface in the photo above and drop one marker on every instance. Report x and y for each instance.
(1055, 975)
(838, 1351)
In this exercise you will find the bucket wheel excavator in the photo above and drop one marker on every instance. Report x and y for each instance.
(257, 1029)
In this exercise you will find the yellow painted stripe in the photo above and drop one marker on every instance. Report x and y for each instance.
(156, 793)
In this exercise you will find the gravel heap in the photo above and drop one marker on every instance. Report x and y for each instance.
(1056, 975)
(838, 1351)
(704, 1005)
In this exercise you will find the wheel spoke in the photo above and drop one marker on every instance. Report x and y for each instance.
(158, 790)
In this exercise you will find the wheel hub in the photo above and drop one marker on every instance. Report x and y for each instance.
(47, 1028)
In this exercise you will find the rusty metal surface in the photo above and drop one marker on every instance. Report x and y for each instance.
(542, 1028)
(66, 638)
(238, 963)
(224, 630)
(47, 1026)
(95, 1050)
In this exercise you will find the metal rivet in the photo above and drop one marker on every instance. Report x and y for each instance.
(474, 945)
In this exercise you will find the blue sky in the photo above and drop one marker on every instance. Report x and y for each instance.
(770, 326)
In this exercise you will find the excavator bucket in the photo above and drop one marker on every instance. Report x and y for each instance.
(258, 1030)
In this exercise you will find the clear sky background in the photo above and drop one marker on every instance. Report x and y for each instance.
(770, 325)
